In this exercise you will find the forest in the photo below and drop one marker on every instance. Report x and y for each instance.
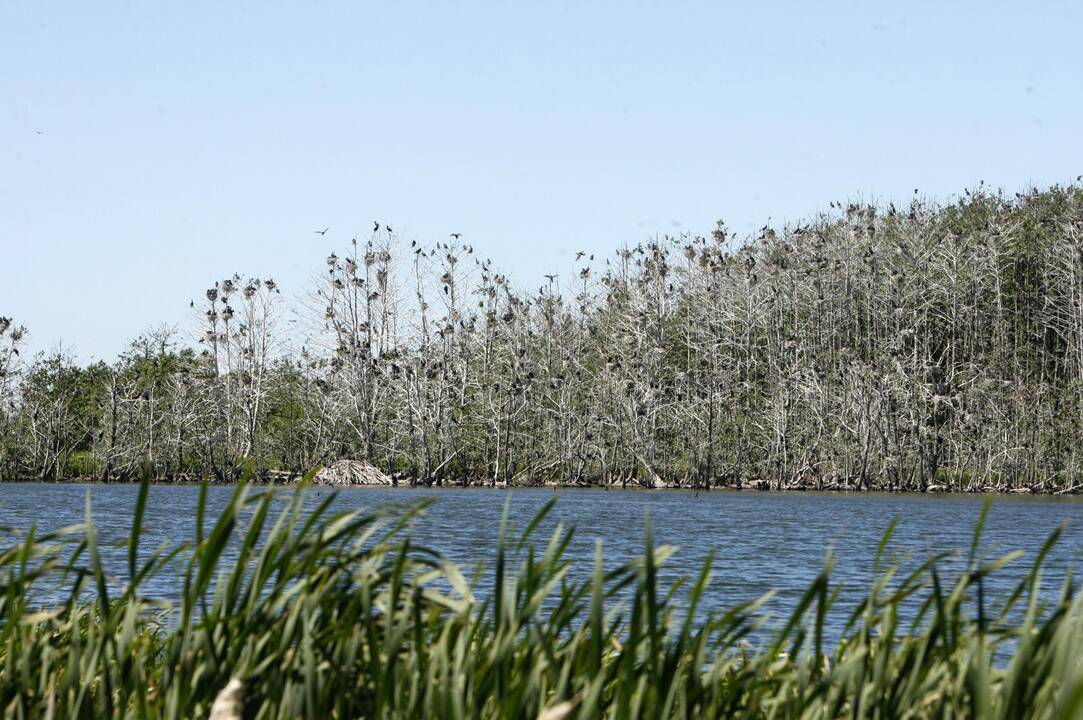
(934, 346)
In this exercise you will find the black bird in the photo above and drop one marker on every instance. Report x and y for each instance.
(456, 235)
(191, 303)
(551, 277)
(375, 227)
(321, 232)
(388, 228)
(579, 255)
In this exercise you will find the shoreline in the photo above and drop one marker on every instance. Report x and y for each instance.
(750, 488)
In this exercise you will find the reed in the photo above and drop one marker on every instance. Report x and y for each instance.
(285, 611)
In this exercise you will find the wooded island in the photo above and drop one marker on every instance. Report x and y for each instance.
(931, 346)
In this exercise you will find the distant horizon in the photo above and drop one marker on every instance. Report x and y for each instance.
(148, 150)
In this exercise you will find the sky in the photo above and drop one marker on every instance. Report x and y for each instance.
(147, 149)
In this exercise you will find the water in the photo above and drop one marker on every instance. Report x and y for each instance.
(762, 541)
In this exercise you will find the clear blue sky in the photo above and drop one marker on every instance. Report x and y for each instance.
(148, 148)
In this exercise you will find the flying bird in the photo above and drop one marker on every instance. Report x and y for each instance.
(456, 235)
(579, 255)
(321, 232)
(551, 277)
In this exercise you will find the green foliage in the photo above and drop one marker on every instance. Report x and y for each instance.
(81, 464)
(342, 615)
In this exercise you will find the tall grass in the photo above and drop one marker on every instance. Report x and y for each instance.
(285, 612)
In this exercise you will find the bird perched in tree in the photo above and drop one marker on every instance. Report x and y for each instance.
(456, 235)
(375, 227)
(321, 232)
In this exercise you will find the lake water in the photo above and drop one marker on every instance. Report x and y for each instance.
(763, 541)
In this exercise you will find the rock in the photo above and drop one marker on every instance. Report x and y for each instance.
(351, 472)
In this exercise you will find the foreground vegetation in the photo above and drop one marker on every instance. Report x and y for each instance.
(928, 346)
(309, 614)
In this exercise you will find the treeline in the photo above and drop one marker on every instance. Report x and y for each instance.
(928, 346)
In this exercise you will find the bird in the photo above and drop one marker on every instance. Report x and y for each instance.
(551, 277)
(579, 255)
(191, 303)
(388, 228)
(375, 227)
(39, 132)
(456, 235)
(321, 232)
